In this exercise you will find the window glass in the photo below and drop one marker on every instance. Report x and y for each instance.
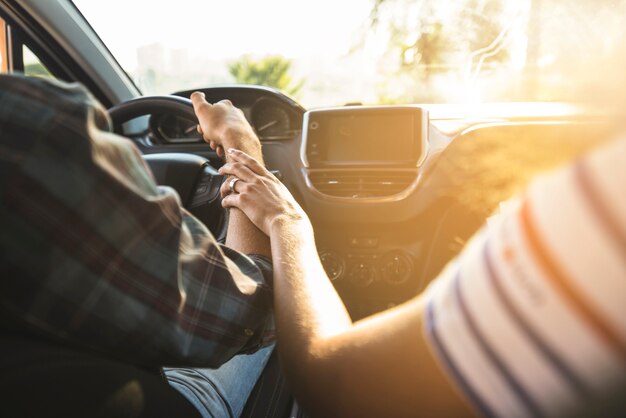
(33, 65)
(329, 52)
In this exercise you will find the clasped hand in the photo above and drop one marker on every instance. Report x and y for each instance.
(258, 193)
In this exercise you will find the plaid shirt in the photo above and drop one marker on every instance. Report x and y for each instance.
(94, 253)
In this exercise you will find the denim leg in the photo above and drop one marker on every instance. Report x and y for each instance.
(221, 392)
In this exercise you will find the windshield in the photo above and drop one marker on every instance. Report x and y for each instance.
(329, 52)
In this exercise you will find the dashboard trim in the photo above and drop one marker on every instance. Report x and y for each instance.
(359, 200)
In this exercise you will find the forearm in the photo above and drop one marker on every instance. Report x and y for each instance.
(243, 235)
(322, 351)
(339, 368)
(308, 310)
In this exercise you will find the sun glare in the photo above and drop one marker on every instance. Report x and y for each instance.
(403, 51)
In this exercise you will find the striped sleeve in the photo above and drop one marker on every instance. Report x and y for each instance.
(530, 319)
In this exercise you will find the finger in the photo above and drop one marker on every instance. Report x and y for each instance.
(220, 151)
(238, 170)
(225, 189)
(254, 165)
(213, 145)
(199, 129)
(226, 102)
(233, 200)
(202, 109)
(198, 99)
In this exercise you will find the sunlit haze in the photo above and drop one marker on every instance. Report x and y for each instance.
(209, 27)
(347, 51)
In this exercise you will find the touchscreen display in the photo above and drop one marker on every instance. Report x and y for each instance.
(368, 138)
(365, 135)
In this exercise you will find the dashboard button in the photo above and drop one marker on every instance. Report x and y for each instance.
(361, 274)
(396, 268)
(333, 265)
(361, 242)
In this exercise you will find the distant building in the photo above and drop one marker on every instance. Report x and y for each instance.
(151, 57)
(177, 60)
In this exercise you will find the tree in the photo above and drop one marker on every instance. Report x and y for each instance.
(431, 42)
(37, 69)
(270, 71)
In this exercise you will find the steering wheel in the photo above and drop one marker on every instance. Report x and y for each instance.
(192, 176)
(147, 105)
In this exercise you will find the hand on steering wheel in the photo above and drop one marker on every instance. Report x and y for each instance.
(224, 126)
(192, 176)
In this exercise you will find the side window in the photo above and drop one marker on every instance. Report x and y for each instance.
(33, 65)
(30, 50)
(15, 54)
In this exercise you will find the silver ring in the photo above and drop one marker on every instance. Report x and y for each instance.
(232, 183)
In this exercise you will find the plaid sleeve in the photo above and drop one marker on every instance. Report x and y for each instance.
(95, 254)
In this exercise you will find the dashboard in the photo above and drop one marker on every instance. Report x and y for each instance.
(391, 196)
(273, 115)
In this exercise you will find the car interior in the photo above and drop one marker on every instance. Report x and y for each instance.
(394, 191)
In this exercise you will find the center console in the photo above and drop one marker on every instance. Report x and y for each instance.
(360, 165)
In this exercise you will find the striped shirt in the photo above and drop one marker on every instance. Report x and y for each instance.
(94, 253)
(530, 320)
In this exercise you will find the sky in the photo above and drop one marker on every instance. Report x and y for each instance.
(321, 41)
(208, 27)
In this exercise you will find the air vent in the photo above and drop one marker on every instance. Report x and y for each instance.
(360, 183)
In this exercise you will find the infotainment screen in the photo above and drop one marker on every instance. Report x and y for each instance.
(392, 135)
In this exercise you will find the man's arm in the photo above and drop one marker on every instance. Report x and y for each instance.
(224, 126)
(379, 366)
(95, 254)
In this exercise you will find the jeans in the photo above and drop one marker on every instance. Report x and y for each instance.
(221, 392)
